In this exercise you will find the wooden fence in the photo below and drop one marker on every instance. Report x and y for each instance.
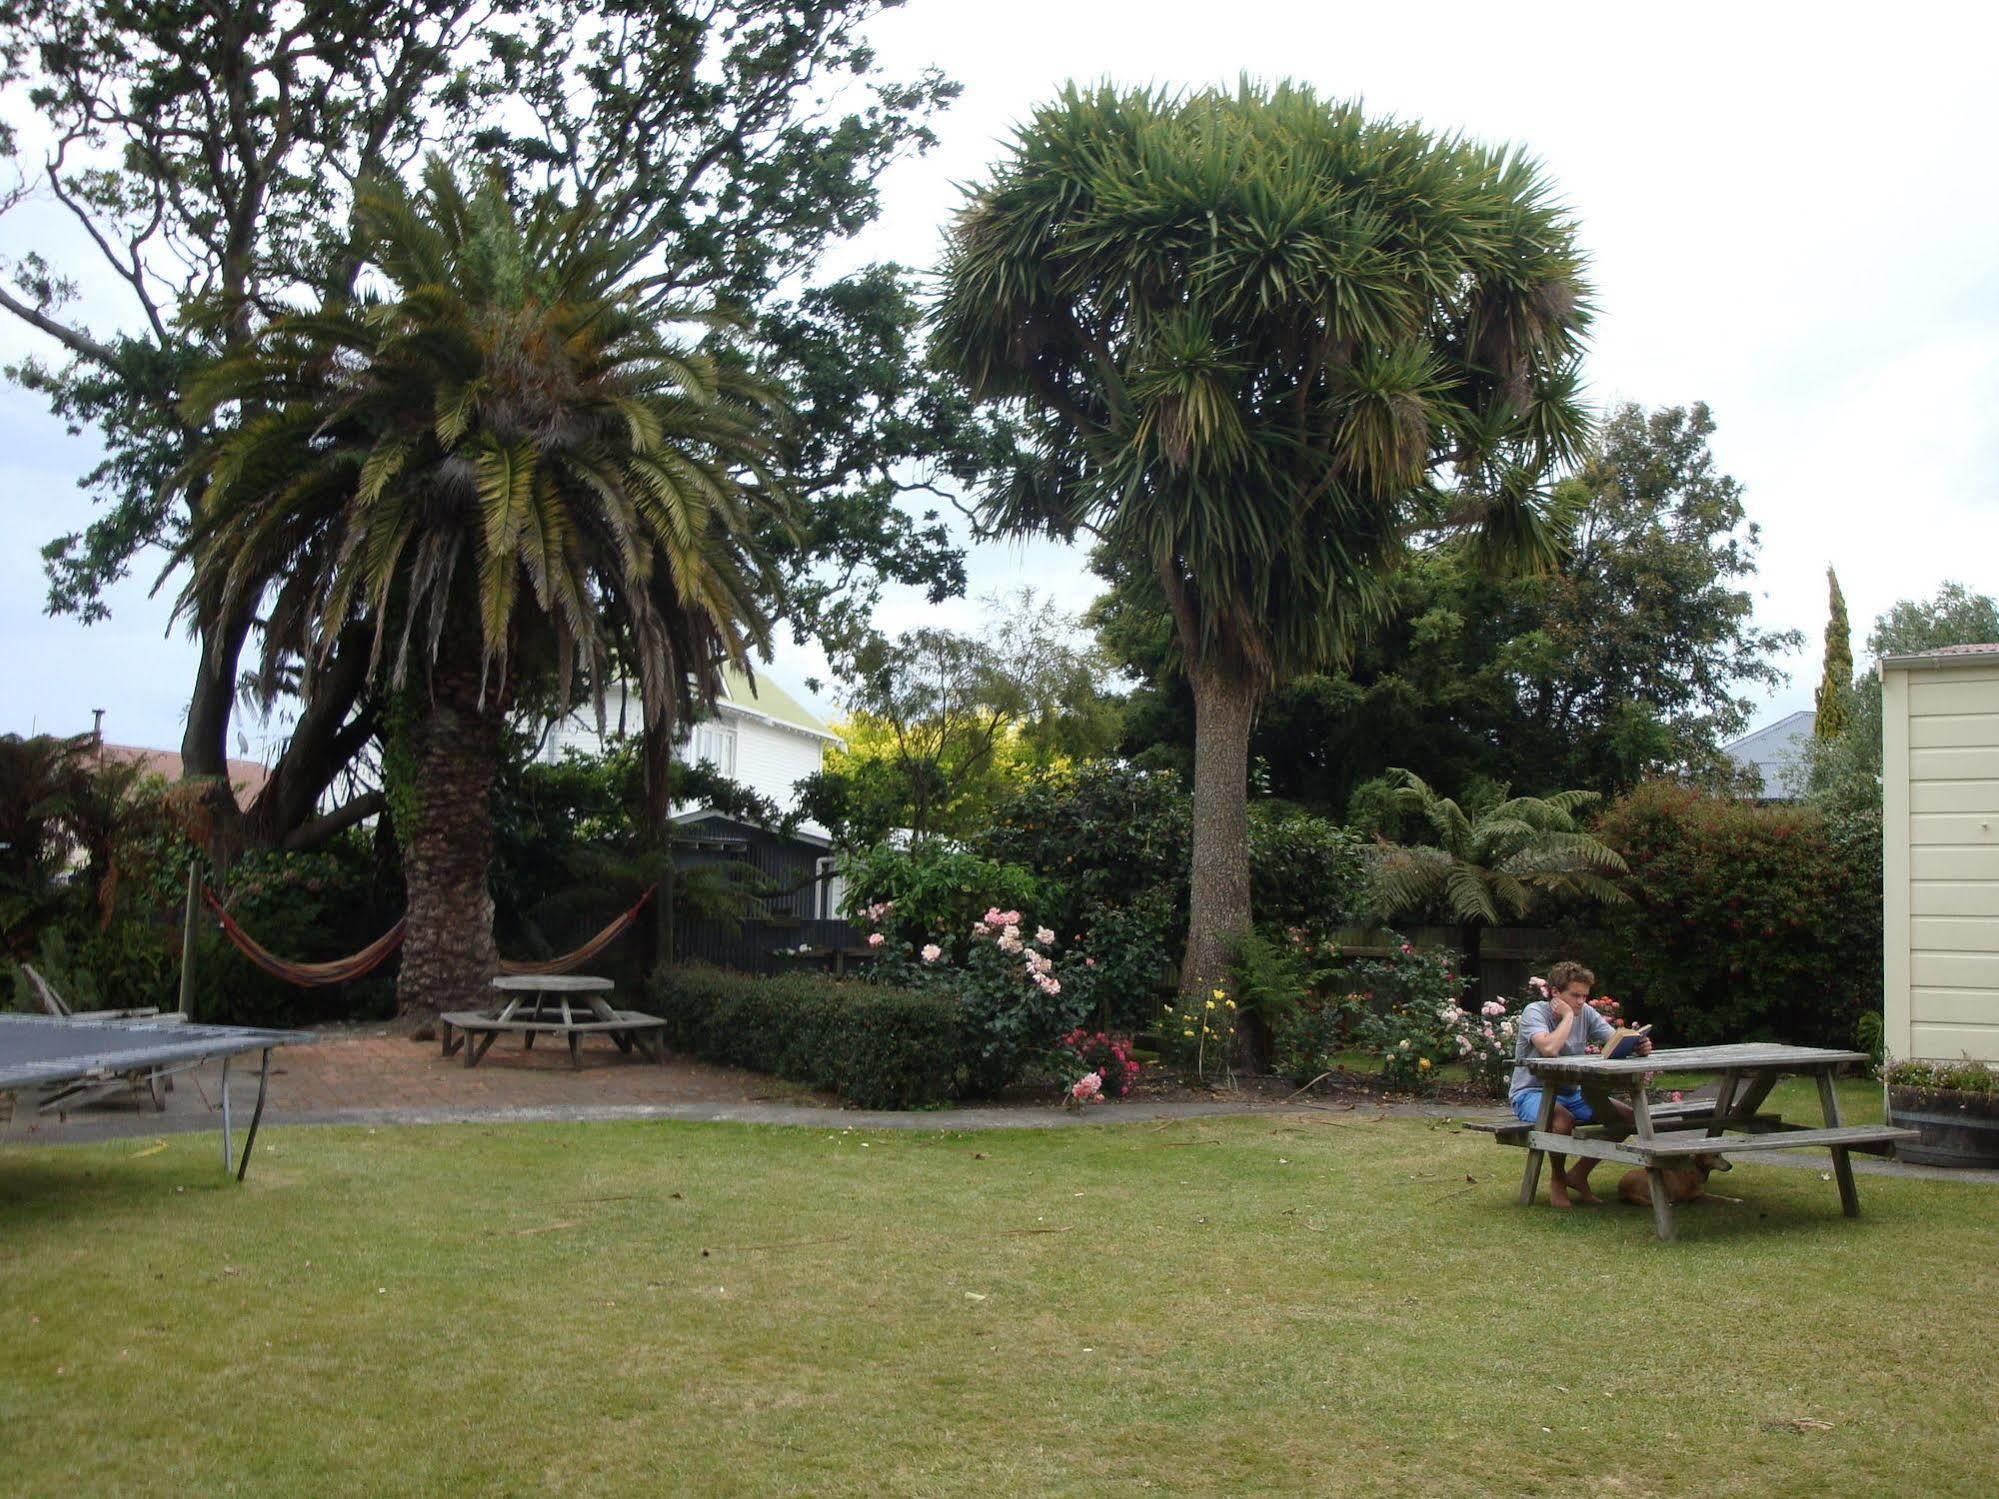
(1507, 955)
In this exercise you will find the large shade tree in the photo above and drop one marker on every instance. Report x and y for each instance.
(174, 175)
(1263, 341)
(505, 464)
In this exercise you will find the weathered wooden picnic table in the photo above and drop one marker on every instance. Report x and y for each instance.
(1731, 1124)
(568, 1005)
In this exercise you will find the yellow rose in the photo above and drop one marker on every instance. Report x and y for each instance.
(1423, 1064)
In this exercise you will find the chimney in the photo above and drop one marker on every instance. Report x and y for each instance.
(97, 726)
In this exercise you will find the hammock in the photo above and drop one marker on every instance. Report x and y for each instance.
(368, 959)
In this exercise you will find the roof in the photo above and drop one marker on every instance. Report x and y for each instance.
(688, 821)
(246, 777)
(766, 700)
(1943, 655)
(1773, 750)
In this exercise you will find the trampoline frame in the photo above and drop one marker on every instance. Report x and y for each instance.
(130, 1046)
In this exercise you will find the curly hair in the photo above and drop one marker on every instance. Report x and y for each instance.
(1566, 973)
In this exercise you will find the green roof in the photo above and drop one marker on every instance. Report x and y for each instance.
(771, 700)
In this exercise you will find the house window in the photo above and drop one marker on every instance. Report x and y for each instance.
(716, 743)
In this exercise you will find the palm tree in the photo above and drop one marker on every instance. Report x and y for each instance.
(1492, 865)
(1262, 342)
(502, 465)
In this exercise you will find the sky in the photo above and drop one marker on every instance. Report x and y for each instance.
(1791, 213)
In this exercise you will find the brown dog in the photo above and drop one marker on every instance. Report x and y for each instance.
(1683, 1183)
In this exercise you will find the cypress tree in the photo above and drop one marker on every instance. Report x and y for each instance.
(1836, 683)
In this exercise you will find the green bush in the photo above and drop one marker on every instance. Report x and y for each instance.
(937, 892)
(877, 1047)
(1306, 872)
(1100, 836)
(308, 908)
(1749, 922)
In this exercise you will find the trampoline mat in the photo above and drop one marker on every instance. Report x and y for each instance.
(36, 1049)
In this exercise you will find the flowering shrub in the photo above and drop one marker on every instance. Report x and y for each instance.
(1485, 1045)
(1089, 1088)
(1011, 996)
(1308, 1042)
(1198, 1037)
(930, 894)
(1102, 1056)
(1014, 1004)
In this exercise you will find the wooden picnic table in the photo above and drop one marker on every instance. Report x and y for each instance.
(1748, 1073)
(580, 1010)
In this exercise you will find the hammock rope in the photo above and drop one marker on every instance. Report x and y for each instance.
(359, 965)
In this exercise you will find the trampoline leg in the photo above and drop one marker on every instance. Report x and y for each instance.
(228, 1155)
(250, 1140)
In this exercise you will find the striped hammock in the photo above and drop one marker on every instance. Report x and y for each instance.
(359, 965)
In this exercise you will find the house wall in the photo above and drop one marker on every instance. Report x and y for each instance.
(768, 759)
(771, 761)
(1940, 860)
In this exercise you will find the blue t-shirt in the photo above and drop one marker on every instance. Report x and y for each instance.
(1538, 1019)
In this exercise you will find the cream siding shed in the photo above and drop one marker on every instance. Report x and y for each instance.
(1940, 852)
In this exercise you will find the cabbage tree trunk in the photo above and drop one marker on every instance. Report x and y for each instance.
(449, 956)
(1218, 912)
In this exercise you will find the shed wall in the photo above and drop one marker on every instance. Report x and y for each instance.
(1940, 871)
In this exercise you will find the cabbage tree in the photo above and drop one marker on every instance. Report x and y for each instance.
(1264, 341)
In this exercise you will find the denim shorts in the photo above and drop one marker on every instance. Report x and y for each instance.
(1527, 1104)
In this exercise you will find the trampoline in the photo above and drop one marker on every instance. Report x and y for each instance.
(39, 1050)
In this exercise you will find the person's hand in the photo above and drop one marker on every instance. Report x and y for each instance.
(1645, 1047)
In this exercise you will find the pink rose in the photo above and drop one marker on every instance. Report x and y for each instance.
(932, 952)
(876, 939)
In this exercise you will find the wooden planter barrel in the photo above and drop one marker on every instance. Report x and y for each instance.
(1958, 1129)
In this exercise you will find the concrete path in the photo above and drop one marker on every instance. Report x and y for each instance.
(356, 1076)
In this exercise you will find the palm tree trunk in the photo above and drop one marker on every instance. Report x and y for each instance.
(1218, 911)
(449, 956)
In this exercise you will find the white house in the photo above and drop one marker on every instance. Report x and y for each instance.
(759, 736)
(1940, 853)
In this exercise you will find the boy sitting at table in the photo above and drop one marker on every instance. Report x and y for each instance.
(1562, 1024)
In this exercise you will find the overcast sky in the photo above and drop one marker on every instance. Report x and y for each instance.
(1791, 211)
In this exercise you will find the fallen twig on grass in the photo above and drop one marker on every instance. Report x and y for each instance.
(1016, 1233)
(547, 1228)
(1471, 1182)
(781, 1244)
(1309, 1086)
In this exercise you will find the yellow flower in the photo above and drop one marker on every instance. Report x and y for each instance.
(1221, 994)
(1231, 1004)
(1211, 1004)
(1186, 1033)
(1422, 1064)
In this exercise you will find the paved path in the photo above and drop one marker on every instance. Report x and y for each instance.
(362, 1077)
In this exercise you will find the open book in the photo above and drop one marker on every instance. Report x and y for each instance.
(1623, 1042)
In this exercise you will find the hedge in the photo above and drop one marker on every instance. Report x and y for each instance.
(1748, 922)
(877, 1047)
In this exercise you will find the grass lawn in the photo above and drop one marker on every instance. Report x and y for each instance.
(1312, 1304)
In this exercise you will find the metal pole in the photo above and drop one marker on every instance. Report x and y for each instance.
(187, 939)
(228, 1155)
(250, 1142)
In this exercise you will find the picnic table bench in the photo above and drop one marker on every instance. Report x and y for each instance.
(553, 1013)
(1732, 1123)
